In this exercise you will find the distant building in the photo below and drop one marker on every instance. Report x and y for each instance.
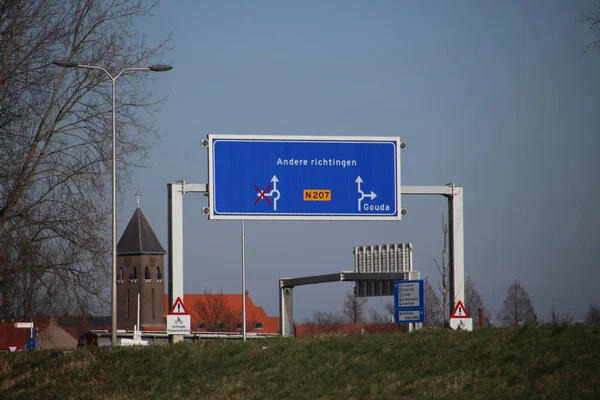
(140, 271)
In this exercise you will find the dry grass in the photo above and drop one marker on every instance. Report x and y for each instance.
(548, 362)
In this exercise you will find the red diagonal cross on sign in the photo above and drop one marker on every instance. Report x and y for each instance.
(261, 194)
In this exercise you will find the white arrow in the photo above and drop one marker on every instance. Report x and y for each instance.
(371, 195)
(359, 181)
(274, 191)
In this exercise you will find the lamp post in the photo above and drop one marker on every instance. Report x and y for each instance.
(155, 68)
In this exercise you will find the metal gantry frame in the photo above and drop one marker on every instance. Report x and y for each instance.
(456, 270)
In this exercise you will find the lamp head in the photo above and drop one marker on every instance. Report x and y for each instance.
(65, 63)
(160, 67)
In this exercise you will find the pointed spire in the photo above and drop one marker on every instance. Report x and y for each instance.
(138, 237)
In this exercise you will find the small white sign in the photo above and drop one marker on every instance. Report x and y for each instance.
(464, 324)
(179, 324)
(24, 325)
(133, 342)
(409, 294)
(409, 316)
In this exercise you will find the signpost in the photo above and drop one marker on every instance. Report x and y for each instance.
(409, 301)
(304, 177)
(459, 319)
(178, 319)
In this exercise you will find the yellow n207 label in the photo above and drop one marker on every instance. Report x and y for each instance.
(317, 195)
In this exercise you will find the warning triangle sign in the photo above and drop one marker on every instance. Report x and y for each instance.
(459, 311)
(178, 308)
(13, 348)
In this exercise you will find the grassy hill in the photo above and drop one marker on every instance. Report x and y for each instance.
(554, 362)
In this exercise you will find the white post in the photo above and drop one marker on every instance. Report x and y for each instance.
(175, 229)
(243, 281)
(457, 245)
(138, 312)
(286, 309)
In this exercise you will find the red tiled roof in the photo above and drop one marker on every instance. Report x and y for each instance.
(233, 302)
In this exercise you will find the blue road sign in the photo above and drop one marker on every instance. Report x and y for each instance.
(31, 344)
(409, 301)
(304, 177)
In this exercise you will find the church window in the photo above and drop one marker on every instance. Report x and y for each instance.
(121, 273)
(128, 303)
(158, 275)
(258, 325)
(134, 274)
(147, 273)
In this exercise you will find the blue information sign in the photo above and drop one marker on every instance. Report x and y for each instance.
(409, 301)
(31, 344)
(304, 177)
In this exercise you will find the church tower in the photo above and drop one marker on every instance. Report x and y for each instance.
(140, 269)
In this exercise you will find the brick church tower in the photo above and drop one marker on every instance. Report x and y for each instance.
(140, 269)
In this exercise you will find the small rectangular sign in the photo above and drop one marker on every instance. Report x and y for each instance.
(465, 324)
(23, 324)
(317, 195)
(178, 324)
(409, 294)
(409, 316)
(293, 177)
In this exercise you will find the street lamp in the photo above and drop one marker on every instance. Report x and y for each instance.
(155, 68)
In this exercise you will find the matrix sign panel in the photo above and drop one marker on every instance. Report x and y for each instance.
(409, 301)
(304, 177)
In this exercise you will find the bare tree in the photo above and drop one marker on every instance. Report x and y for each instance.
(474, 302)
(443, 270)
(559, 317)
(55, 147)
(591, 17)
(325, 318)
(218, 316)
(434, 314)
(354, 307)
(593, 316)
(386, 317)
(517, 309)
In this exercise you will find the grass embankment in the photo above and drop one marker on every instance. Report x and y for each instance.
(550, 362)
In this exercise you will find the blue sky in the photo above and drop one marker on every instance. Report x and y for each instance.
(494, 96)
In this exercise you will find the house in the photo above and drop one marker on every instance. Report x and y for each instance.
(51, 333)
(223, 313)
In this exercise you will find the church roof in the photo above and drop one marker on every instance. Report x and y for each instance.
(138, 237)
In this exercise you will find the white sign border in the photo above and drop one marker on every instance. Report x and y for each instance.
(303, 217)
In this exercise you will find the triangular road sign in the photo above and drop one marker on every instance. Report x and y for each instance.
(13, 348)
(459, 311)
(178, 308)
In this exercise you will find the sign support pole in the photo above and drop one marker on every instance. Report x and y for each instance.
(175, 237)
(243, 280)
